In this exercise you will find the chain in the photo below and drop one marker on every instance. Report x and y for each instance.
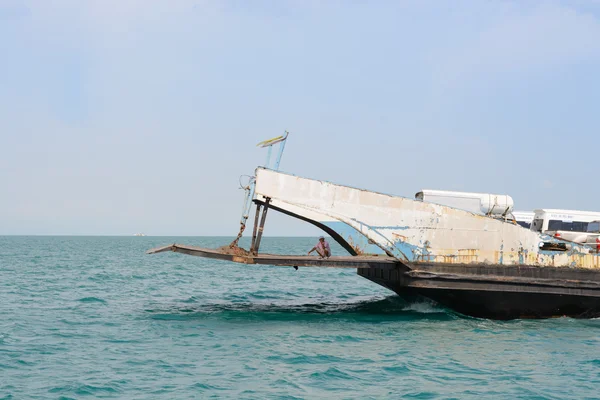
(239, 236)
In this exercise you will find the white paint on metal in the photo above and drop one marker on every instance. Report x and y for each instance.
(416, 231)
(478, 203)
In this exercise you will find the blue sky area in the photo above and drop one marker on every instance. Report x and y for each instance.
(131, 116)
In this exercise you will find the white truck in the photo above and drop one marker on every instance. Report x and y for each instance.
(524, 218)
(569, 225)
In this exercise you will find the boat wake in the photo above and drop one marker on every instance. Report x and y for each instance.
(386, 308)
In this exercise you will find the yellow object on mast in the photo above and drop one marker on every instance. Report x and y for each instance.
(270, 142)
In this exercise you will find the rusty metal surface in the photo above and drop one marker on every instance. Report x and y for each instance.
(413, 231)
(261, 227)
(235, 242)
(161, 249)
(255, 229)
(495, 299)
(414, 279)
(282, 260)
(505, 279)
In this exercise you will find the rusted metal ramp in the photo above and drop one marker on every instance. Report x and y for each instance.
(372, 261)
(491, 291)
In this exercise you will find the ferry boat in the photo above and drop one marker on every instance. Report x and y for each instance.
(477, 264)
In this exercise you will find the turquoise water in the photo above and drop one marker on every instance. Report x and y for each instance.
(95, 317)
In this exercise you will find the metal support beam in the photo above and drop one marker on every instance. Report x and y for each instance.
(255, 228)
(280, 151)
(268, 162)
(262, 225)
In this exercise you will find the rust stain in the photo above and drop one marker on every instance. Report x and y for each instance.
(399, 236)
(359, 251)
(466, 256)
(243, 260)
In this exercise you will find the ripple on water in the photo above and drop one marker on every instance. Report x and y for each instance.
(97, 317)
(379, 309)
(331, 373)
(84, 389)
(92, 300)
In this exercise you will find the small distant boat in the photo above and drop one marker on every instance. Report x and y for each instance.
(139, 234)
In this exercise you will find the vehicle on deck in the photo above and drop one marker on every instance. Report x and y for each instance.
(593, 238)
(524, 218)
(571, 225)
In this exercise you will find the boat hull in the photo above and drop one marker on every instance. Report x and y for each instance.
(506, 305)
(498, 292)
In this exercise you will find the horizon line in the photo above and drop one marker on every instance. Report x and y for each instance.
(122, 235)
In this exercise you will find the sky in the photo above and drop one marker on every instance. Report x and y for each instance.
(119, 117)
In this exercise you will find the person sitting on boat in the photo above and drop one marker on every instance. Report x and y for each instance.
(322, 247)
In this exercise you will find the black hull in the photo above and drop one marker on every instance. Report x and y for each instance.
(498, 292)
(507, 305)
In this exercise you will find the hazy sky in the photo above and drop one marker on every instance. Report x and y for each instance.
(131, 116)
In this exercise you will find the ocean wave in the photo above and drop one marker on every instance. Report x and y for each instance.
(182, 327)
(391, 307)
(92, 300)
(86, 389)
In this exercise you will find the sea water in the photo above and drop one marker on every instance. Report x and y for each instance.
(96, 317)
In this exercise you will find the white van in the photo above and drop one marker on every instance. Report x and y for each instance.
(524, 218)
(567, 224)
